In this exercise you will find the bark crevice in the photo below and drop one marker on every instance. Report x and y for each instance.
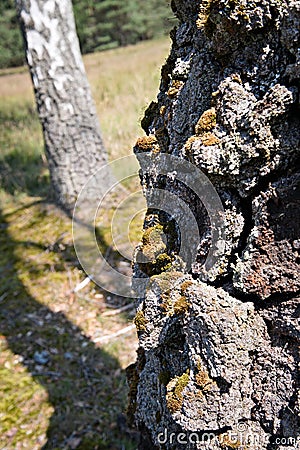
(228, 103)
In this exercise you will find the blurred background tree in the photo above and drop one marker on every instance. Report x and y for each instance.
(73, 142)
(101, 25)
(11, 43)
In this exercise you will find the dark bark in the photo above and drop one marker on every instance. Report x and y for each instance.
(219, 348)
(73, 143)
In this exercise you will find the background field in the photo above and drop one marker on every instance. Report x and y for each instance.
(101, 25)
(59, 388)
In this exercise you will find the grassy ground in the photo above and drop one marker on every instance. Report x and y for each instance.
(60, 389)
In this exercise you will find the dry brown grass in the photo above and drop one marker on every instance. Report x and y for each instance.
(123, 83)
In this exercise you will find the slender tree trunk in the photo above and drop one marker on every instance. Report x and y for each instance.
(218, 361)
(73, 143)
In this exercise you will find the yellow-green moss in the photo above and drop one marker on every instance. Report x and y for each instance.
(169, 306)
(151, 217)
(173, 403)
(227, 443)
(240, 9)
(166, 304)
(202, 378)
(174, 391)
(204, 12)
(206, 122)
(174, 89)
(222, 268)
(181, 305)
(153, 235)
(236, 77)
(206, 8)
(162, 110)
(166, 280)
(215, 94)
(185, 285)
(146, 144)
(163, 262)
(154, 250)
(209, 139)
(177, 84)
(172, 92)
(182, 382)
(188, 146)
(203, 128)
(140, 321)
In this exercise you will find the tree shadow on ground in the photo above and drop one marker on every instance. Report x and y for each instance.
(29, 174)
(85, 385)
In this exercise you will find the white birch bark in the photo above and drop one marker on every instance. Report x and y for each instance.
(73, 143)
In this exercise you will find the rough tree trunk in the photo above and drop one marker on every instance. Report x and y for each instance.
(219, 350)
(73, 143)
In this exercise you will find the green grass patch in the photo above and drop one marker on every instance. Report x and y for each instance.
(22, 164)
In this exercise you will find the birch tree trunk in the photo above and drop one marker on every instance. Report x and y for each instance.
(218, 360)
(73, 143)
